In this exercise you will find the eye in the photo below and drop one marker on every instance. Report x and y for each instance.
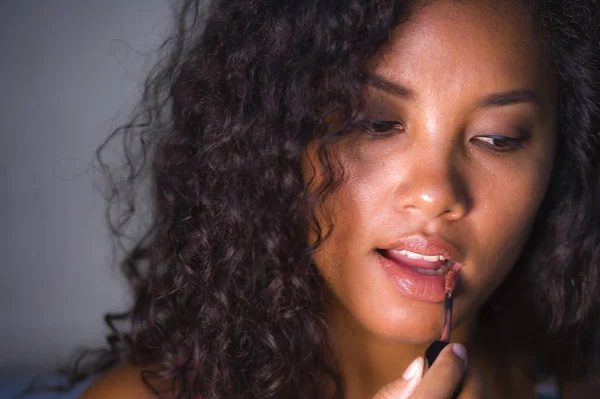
(501, 143)
(382, 129)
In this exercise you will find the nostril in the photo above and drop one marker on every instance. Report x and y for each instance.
(410, 208)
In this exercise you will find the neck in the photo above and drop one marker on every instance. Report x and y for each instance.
(367, 362)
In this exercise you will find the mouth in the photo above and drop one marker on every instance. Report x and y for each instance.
(424, 254)
(431, 265)
(417, 265)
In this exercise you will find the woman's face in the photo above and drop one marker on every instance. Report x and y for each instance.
(460, 173)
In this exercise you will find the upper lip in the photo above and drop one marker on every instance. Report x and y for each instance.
(425, 245)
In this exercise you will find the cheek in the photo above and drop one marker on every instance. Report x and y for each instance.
(502, 219)
(346, 209)
(356, 203)
(355, 210)
(350, 210)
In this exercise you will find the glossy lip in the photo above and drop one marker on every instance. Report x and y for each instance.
(411, 283)
(424, 245)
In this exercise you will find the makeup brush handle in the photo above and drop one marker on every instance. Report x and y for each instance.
(432, 353)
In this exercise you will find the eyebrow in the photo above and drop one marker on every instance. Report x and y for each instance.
(387, 86)
(509, 98)
(500, 99)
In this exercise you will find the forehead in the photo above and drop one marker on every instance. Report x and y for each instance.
(461, 44)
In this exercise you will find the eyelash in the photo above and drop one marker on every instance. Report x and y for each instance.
(380, 129)
(383, 128)
(508, 143)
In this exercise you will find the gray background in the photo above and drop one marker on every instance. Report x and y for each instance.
(70, 72)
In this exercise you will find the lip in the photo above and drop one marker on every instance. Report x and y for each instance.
(424, 245)
(411, 283)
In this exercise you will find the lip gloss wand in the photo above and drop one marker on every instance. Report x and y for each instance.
(436, 347)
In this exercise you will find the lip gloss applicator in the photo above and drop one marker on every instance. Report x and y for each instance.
(436, 347)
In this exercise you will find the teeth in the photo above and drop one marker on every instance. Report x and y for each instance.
(414, 255)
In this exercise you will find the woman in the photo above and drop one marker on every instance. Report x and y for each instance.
(318, 166)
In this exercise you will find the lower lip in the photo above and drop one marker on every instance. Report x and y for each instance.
(414, 285)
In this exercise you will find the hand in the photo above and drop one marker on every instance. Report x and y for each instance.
(439, 382)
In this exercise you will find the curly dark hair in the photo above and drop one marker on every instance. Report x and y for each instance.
(228, 302)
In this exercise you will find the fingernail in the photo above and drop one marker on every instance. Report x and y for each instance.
(460, 351)
(414, 369)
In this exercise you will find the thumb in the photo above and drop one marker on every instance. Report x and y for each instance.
(404, 387)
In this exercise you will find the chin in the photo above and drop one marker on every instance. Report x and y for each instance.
(415, 324)
(416, 331)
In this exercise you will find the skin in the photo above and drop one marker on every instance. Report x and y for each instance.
(439, 173)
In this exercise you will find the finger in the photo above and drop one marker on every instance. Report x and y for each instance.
(405, 386)
(473, 387)
(445, 374)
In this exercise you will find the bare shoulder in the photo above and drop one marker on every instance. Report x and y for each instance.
(123, 382)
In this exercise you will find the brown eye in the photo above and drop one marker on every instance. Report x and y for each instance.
(501, 143)
(384, 128)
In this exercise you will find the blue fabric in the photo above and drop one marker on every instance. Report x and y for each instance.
(11, 387)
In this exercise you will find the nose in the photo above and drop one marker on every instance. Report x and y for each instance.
(434, 189)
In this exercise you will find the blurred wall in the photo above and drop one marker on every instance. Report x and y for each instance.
(70, 72)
